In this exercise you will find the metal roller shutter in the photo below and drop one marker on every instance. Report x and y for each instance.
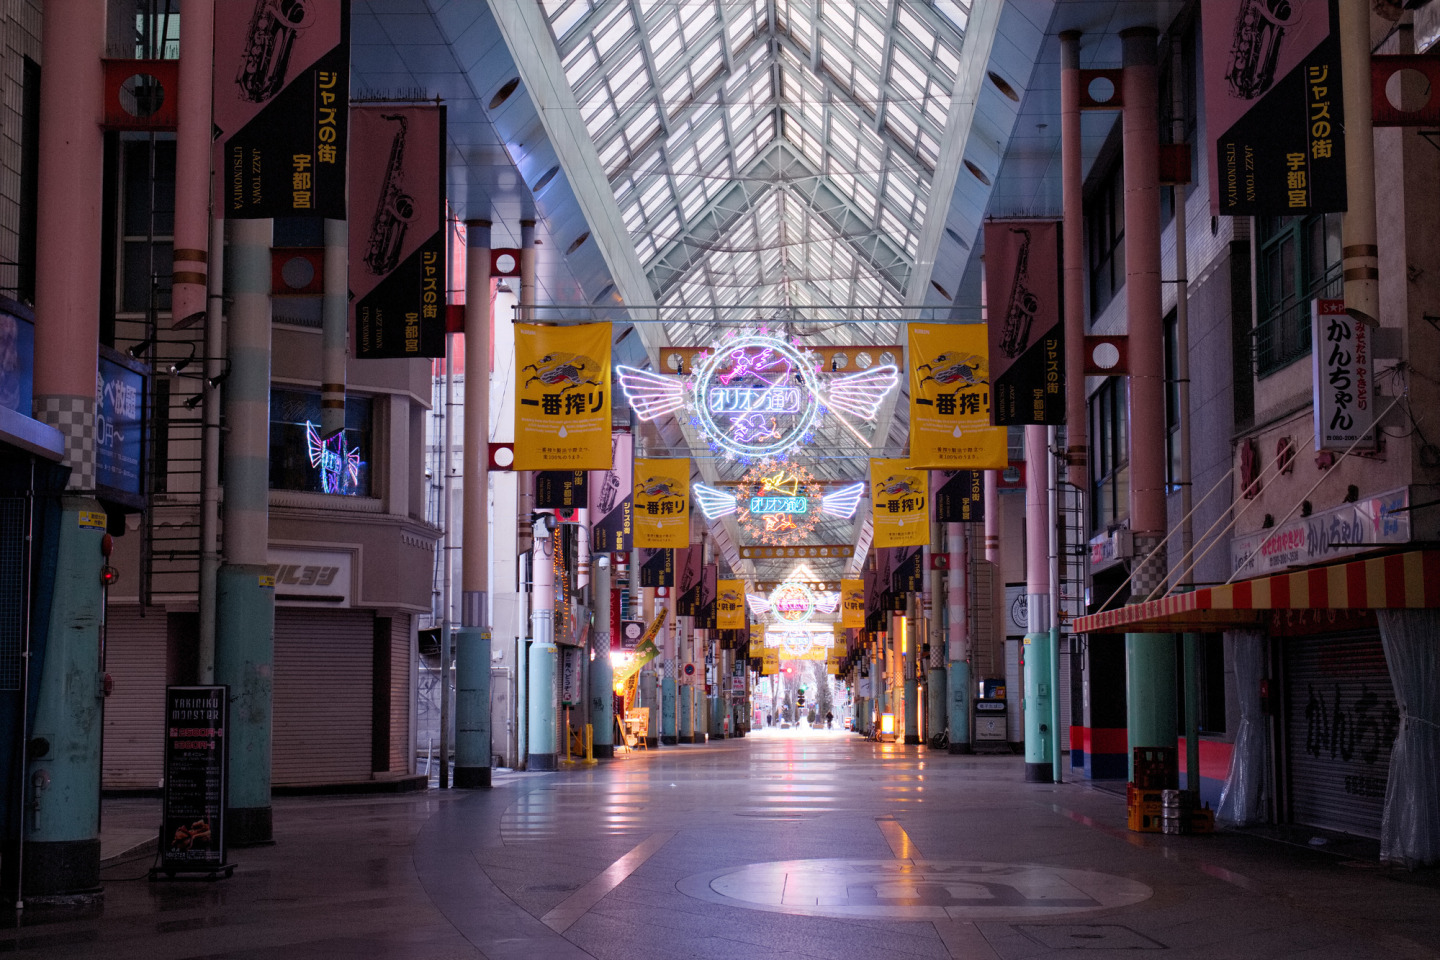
(1341, 720)
(135, 712)
(401, 672)
(324, 661)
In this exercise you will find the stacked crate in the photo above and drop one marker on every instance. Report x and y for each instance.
(1156, 772)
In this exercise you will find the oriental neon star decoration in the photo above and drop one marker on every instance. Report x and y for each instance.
(756, 396)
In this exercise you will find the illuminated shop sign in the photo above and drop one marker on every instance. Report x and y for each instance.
(339, 465)
(756, 396)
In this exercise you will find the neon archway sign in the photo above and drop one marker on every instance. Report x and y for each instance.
(756, 396)
(792, 602)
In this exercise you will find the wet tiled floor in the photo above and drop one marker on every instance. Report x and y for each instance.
(801, 844)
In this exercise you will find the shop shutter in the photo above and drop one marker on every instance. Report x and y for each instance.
(402, 671)
(324, 661)
(1066, 707)
(135, 713)
(1341, 720)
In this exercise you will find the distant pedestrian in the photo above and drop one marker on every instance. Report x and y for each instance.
(829, 718)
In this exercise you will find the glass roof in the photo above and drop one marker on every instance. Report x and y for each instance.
(772, 161)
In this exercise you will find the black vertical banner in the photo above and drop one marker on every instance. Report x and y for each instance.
(397, 231)
(560, 489)
(1026, 335)
(281, 98)
(959, 495)
(192, 831)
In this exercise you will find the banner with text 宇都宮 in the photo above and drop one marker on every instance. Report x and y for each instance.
(730, 604)
(852, 603)
(562, 417)
(950, 399)
(900, 497)
(662, 503)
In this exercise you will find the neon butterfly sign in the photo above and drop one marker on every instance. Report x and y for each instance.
(756, 396)
(334, 460)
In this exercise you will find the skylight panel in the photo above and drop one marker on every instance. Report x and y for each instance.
(580, 65)
(956, 12)
(698, 19)
(619, 27)
(565, 15)
(744, 24)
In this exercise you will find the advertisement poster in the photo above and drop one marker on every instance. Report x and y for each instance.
(192, 831)
(17, 356)
(562, 417)
(119, 426)
(1026, 336)
(662, 503)
(1273, 107)
(959, 495)
(611, 505)
(730, 604)
(657, 567)
(900, 499)
(1344, 371)
(281, 100)
(950, 425)
(397, 231)
(852, 603)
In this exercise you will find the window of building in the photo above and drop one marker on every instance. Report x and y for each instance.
(1172, 402)
(147, 222)
(1299, 262)
(1110, 455)
(1105, 235)
(1210, 682)
(1189, 107)
(301, 460)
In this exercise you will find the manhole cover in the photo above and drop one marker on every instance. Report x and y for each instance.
(1087, 936)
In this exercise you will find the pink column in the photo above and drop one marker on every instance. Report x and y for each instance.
(1037, 529)
(1141, 144)
(67, 273)
(192, 161)
(1072, 238)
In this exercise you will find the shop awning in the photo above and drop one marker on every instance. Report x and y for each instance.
(1401, 580)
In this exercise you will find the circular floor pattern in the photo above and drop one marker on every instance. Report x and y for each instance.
(914, 889)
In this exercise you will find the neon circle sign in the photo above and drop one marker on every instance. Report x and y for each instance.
(757, 396)
(792, 602)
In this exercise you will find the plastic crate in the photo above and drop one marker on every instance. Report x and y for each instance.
(1144, 818)
(1156, 768)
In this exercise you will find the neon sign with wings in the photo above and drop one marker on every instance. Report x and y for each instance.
(778, 503)
(757, 396)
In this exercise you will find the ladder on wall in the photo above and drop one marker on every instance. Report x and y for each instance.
(170, 545)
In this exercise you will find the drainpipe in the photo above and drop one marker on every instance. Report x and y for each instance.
(1072, 238)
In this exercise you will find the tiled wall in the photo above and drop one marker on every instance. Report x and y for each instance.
(19, 38)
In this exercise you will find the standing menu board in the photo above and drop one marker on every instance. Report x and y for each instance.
(192, 825)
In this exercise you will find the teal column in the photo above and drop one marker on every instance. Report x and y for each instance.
(1053, 646)
(1191, 643)
(62, 786)
(959, 690)
(1039, 752)
(910, 624)
(602, 674)
(668, 706)
(245, 591)
(1150, 691)
(472, 707)
(543, 657)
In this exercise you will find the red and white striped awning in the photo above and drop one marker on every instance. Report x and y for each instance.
(1401, 580)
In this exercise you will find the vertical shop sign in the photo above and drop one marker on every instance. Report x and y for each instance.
(119, 426)
(657, 567)
(192, 831)
(611, 505)
(950, 425)
(852, 603)
(1026, 337)
(730, 604)
(900, 499)
(281, 99)
(560, 489)
(690, 570)
(562, 413)
(662, 503)
(1273, 107)
(1344, 376)
(397, 231)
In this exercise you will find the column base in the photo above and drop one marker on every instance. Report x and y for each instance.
(541, 762)
(469, 778)
(66, 870)
(604, 751)
(669, 740)
(686, 738)
(717, 736)
(961, 748)
(652, 742)
(911, 740)
(1039, 773)
(249, 827)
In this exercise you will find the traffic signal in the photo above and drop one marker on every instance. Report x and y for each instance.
(800, 698)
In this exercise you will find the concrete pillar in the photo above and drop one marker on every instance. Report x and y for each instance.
(957, 599)
(937, 700)
(473, 640)
(602, 677)
(909, 642)
(543, 652)
(668, 707)
(1039, 757)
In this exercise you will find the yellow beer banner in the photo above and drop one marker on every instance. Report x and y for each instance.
(839, 644)
(662, 504)
(852, 604)
(757, 635)
(832, 663)
(730, 604)
(769, 662)
(950, 399)
(562, 410)
(900, 500)
(812, 652)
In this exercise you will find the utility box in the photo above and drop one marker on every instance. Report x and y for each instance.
(989, 720)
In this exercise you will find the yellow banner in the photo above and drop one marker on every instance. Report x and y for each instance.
(757, 635)
(662, 503)
(852, 604)
(832, 664)
(562, 410)
(950, 399)
(900, 501)
(813, 652)
(839, 643)
(769, 662)
(730, 604)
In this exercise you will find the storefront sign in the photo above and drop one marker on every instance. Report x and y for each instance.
(1110, 548)
(192, 831)
(571, 661)
(1347, 529)
(1344, 372)
(1273, 107)
(1027, 349)
(311, 577)
(281, 101)
(119, 435)
(17, 356)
